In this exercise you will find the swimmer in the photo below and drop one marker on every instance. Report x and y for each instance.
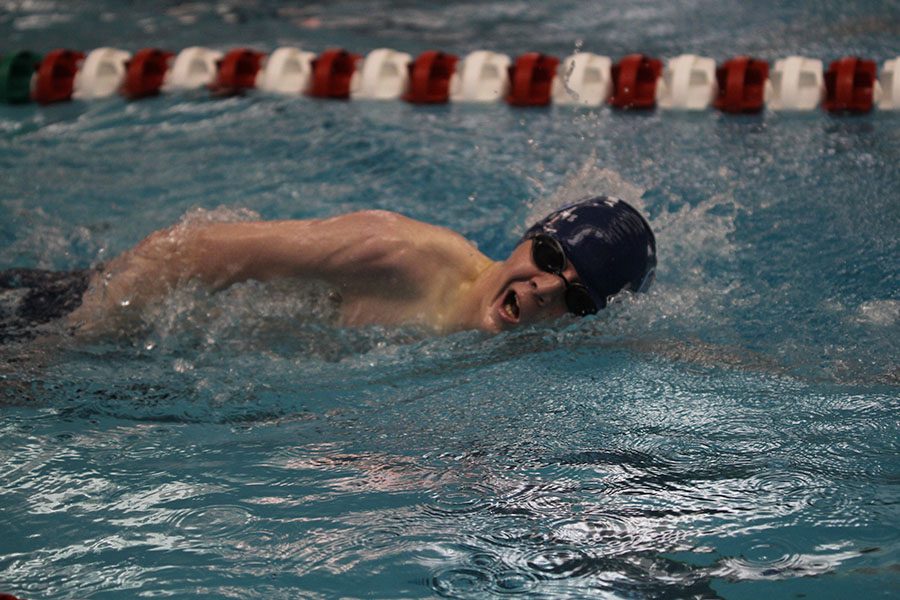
(385, 269)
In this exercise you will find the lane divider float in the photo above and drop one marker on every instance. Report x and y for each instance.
(429, 78)
(54, 80)
(634, 82)
(101, 74)
(742, 84)
(145, 73)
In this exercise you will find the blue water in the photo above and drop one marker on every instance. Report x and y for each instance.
(734, 434)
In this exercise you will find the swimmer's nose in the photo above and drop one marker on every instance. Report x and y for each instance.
(546, 287)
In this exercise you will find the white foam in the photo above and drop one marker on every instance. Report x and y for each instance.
(249, 315)
(879, 312)
(220, 214)
(40, 21)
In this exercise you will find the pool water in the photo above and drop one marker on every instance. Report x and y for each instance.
(733, 434)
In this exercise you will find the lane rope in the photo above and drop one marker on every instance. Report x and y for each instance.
(742, 84)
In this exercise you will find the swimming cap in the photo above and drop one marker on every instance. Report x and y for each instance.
(609, 243)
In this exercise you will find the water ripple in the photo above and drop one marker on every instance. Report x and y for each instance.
(483, 572)
(365, 539)
(560, 562)
(782, 492)
(514, 582)
(777, 558)
(610, 534)
(214, 523)
(462, 582)
(460, 499)
(514, 533)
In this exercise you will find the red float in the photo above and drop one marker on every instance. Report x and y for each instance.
(634, 82)
(850, 85)
(742, 85)
(429, 78)
(237, 71)
(531, 78)
(145, 73)
(331, 74)
(56, 76)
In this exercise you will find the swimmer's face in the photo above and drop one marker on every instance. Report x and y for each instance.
(523, 293)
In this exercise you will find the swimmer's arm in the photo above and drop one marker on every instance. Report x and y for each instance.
(371, 249)
(354, 250)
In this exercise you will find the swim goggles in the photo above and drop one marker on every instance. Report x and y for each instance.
(548, 256)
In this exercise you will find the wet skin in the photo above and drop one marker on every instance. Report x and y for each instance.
(525, 294)
(388, 269)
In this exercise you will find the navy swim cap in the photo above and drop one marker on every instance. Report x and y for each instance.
(609, 243)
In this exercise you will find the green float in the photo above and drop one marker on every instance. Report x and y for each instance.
(15, 76)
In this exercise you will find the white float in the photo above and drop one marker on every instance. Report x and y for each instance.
(888, 87)
(101, 74)
(384, 75)
(795, 83)
(688, 82)
(583, 78)
(482, 76)
(193, 68)
(287, 71)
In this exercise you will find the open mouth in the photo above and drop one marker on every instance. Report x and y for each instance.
(510, 306)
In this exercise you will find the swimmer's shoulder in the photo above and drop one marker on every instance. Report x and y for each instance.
(385, 222)
(394, 227)
(413, 249)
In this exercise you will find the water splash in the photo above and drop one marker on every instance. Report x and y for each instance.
(882, 313)
(220, 214)
(588, 180)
